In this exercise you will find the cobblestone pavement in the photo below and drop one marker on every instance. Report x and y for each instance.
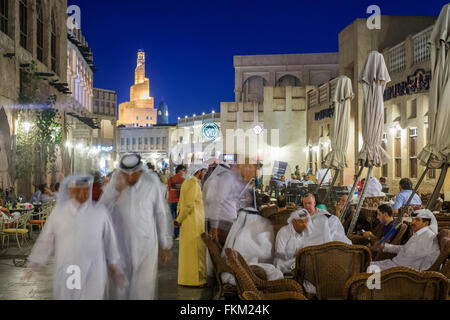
(12, 287)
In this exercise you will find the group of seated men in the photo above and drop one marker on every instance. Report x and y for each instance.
(252, 235)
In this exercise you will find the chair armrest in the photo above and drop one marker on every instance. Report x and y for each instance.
(281, 285)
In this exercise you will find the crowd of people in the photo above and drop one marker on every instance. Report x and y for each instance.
(118, 238)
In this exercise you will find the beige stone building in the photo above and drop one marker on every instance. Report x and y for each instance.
(267, 120)
(402, 41)
(139, 111)
(30, 30)
(152, 143)
(197, 138)
(105, 138)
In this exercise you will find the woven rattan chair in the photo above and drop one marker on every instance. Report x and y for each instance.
(397, 240)
(442, 264)
(278, 221)
(219, 267)
(406, 211)
(373, 202)
(268, 211)
(399, 283)
(283, 289)
(329, 266)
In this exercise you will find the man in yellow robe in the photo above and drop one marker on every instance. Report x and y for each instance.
(191, 219)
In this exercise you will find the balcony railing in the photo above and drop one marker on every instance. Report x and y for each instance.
(397, 58)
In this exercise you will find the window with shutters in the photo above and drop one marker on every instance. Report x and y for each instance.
(4, 16)
(23, 21)
(39, 31)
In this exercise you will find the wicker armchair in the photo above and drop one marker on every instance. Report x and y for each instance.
(442, 264)
(329, 266)
(279, 220)
(399, 283)
(268, 211)
(397, 240)
(220, 266)
(437, 205)
(406, 211)
(283, 289)
(373, 202)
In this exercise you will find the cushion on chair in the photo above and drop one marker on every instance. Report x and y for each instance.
(38, 221)
(20, 231)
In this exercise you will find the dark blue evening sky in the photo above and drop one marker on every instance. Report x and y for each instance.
(190, 44)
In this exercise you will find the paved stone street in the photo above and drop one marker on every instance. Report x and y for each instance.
(12, 287)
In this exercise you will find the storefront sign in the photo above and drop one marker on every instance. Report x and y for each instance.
(210, 131)
(279, 169)
(416, 83)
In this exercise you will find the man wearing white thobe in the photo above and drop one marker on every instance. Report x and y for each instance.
(221, 200)
(143, 225)
(82, 238)
(421, 250)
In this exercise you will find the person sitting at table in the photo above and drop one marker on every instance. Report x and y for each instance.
(421, 250)
(5, 214)
(282, 182)
(307, 180)
(282, 204)
(56, 192)
(294, 180)
(374, 188)
(404, 194)
(361, 186)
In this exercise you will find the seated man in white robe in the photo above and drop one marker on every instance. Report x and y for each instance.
(252, 236)
(421, 250)
(326, 221)
(374, 188)
(82, 238)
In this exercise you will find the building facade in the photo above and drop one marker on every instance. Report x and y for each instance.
(152, 143)
(33, 42)
(105, 138)
(197, 139)
(140, 110)
(406, 99)
(269, 110)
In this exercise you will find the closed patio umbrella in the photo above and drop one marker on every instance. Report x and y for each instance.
(436, 154)
(373, 79)
(341, 99)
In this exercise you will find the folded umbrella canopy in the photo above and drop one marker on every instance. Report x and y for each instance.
(373, 79)
(436, 154)
(341, 99)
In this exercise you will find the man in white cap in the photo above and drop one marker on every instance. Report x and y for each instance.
(191, 220)
(82, 237)
(421, 250)
(143, 225)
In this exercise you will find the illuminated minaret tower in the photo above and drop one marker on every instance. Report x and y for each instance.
(139, 111)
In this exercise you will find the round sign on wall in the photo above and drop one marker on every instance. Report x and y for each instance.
(210, 131)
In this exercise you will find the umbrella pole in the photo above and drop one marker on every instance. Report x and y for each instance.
(323, 179)
(349, 199)
(438, 186)
(331, 186)
(416, 187)
(360, 202)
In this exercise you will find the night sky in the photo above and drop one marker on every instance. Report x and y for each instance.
(190, 45)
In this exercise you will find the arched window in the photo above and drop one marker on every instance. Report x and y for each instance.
(23, 20)
(39, 31)
(4, 16)
(288, 81)
(53, 42)
(253, 89)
